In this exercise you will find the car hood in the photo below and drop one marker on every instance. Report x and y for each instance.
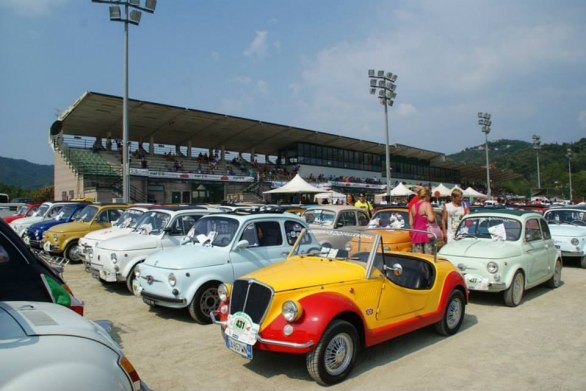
(304, 272)
(45, 225)
(187, 257)
(132, 241)
(566, 230)
(30, 318)
(480, 248)
(107, 233)
(74, 226)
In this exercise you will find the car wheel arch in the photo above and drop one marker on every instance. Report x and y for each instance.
(328, 306)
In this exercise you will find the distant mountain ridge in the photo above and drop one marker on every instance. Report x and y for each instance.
(24, 174)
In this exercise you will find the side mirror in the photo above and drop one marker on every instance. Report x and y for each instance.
(242, 244)
(397, 269)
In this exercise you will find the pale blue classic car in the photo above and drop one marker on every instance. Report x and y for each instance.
(220, 248)
(568, 229)
(506, 251)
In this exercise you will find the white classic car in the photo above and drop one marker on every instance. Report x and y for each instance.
(46, 346)
(507, 251)
(224, 247)
(162, 228)
(568, 229)
(122, 226)
(20, 225)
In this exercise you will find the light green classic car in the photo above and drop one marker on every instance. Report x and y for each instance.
(506, 251)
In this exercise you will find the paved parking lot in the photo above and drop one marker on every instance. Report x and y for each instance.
(539, 345)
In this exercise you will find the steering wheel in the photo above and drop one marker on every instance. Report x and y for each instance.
(312, 251)
(224, 241)
(579, 222)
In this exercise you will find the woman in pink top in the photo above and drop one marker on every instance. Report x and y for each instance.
(419, 215)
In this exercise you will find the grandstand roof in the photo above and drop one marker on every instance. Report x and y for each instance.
(99, 115)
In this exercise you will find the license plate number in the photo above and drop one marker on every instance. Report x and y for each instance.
(238, 347)
(150, 302)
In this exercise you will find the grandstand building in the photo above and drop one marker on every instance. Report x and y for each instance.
(181, 155)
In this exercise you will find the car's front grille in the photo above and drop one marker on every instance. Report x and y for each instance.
(252, 298)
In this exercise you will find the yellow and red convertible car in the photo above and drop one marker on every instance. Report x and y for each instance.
(328, 302)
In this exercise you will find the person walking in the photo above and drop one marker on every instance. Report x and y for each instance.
(420, 214)
(362, 203)
(452, 214)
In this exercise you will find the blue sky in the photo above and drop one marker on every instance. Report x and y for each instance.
(305, 63)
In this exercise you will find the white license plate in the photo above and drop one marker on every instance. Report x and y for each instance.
(241, 348)
(477, 283)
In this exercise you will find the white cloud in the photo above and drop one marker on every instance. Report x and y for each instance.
(32, 8)
(258, 46)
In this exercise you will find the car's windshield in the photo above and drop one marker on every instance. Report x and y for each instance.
(216, 230)
(22, 209)
(128, 218)
(336, 244)
(87, 214)
(319, 216)
(54, 211)
(152, 223)
(489, 227)
(565, 216)
(65, 213)
(389, 219)
(41, 210)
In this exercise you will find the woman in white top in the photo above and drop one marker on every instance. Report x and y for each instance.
(452, 213)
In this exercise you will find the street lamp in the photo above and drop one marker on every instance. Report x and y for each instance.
(569, 156)
(537, 147)
(485, 122)
(132, 17)
(385, 84)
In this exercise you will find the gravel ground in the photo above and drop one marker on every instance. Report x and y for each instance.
(536, 346)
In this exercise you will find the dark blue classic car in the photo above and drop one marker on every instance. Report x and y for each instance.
(69, 212)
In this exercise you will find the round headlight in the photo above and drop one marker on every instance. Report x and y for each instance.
(575, 241)
(172, 279)
(55, 237)
(114, 257)
(224, 292)
(492, 267)
(291, 310)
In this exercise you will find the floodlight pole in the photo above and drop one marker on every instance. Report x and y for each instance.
(385, 84)
(133, 18)
(537, 147)
(485, 122)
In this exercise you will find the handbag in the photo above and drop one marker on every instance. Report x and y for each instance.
(434, 231)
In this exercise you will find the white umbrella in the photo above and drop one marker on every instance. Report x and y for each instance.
(470, 192)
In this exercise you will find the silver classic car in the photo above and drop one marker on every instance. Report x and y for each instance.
(507, 251)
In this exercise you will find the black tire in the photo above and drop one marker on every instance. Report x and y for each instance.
(334, 356)
(453, 314)
(129, 281)
(72, 253)
(582, 262)
(514, 294)
(556, 280)
(206, 299)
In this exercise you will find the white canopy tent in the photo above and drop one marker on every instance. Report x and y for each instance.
(440, 191)
(296, 185)
(398, 191)
(470, 192)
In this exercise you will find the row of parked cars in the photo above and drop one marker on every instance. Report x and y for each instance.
(324, 283)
